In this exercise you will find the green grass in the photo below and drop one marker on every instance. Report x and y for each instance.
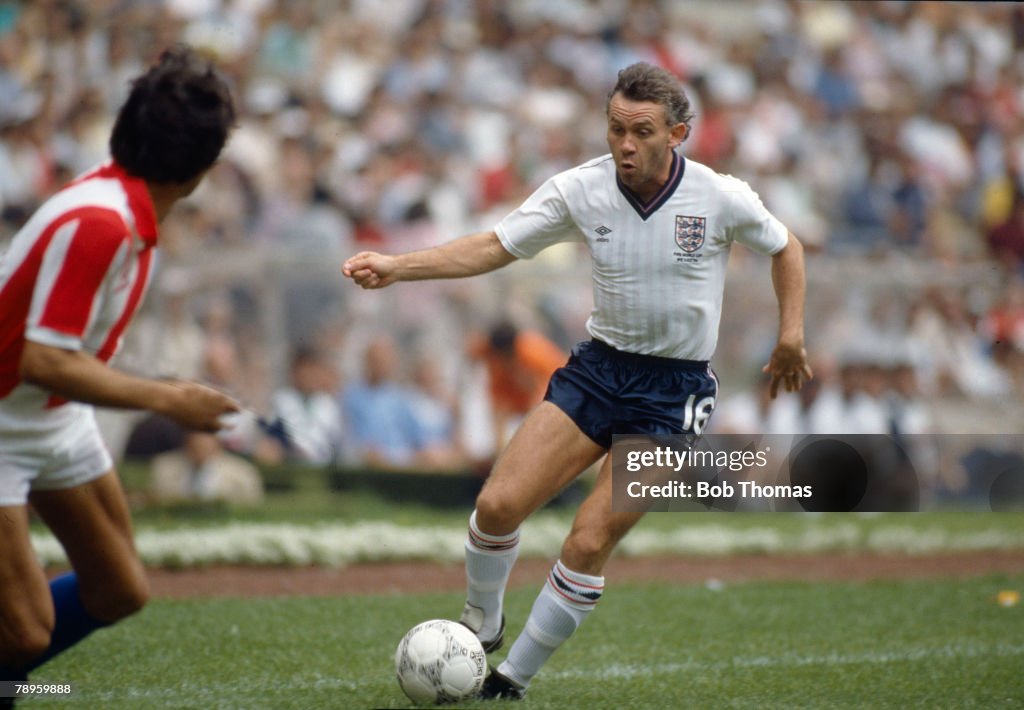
(885, 644)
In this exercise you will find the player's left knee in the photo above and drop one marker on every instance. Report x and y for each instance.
(586, 550)
(124, 598)
(498, 513)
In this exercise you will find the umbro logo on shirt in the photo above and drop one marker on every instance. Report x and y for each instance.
(603, 233)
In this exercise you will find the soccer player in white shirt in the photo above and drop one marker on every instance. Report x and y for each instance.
(659, 229)
(70, 282)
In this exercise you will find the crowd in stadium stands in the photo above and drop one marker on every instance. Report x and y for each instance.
(880, 133)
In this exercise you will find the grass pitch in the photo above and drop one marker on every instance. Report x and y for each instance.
(787, 645)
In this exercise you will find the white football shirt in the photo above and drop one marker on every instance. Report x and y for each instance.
(658, 267)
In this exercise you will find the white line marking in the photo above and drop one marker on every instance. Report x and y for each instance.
(619, 671)
(628, 671)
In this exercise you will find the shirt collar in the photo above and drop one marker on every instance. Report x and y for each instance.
(139, 201)
(646, 209)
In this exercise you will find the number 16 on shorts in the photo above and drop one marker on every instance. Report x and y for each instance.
(695, 416)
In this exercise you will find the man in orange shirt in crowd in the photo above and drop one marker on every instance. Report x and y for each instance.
(519, 365)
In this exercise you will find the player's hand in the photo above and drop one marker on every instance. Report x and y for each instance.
(197, 406)
(371, 270)
(788, 366)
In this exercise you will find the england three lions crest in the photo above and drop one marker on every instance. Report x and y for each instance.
(690, 232)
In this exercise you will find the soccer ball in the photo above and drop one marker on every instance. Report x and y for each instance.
(440, 661)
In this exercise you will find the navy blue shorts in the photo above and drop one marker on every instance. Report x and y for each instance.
(606, 391)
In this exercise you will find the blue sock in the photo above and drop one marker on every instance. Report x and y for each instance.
(74, 623)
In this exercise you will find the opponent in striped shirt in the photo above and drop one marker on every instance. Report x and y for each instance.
(70, 283)
(659, 229)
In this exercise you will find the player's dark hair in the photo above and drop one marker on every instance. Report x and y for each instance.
(645, 82)
(503, 337)
(175, 121)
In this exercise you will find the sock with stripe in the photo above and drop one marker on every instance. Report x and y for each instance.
(489, 561)
(563, 603)
(73, 622)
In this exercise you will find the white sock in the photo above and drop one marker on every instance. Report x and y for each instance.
(563, 603)
(489, 561)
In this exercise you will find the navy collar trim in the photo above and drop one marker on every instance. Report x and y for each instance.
(646, 209)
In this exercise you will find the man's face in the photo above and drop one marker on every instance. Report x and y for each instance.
(641, 142)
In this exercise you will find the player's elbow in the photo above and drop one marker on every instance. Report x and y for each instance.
(40, 365)
(31, 370)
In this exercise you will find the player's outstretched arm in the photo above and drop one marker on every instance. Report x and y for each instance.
(467, 256)
(78, 376)
(788, 364)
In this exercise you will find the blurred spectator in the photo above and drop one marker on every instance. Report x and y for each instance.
(907, 415)
(230, 203)
(171, 341)
(434, 409)
(288, 45)
(519, 364)
(908, 218)
(299, 218)
(80, 141)
(792, 201)
(959, 361)
(24, 172)
(1006, 240)
(821, 404)
(858, 405)
(221, 361)
(815, 409)
(867, 207)
(1003, 327)
(203, 471)
(834, 87)
(303, 228)
(307, 412)
(381, 427)
(757, 413)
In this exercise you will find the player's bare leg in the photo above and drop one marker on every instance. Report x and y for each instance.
(572, 590)
(596, 530)
(93, 524)
(547, 453)
(26, 612)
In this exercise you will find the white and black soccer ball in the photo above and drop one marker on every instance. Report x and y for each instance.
(440, 661)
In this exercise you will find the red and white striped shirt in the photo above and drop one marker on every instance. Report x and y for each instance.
(74, 275)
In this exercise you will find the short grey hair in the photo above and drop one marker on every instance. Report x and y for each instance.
(645, 82)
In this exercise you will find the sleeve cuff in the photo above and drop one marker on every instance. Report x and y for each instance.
(53, 338)
(785, 237)
(509, 247)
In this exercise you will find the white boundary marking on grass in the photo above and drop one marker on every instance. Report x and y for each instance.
(623, 671)
(215, 692)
